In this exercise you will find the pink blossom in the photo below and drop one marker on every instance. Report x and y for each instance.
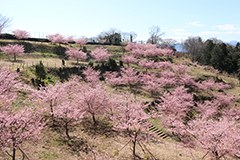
(21, 34)
(223, 99)
(137, 52)
(93, 100)
(147, 64)
(216, 138)
(69, 39)
(129, 59)
(113, 78)
(130, 76)
(91, 75)
(100, 54)
(81, 41)
(19, 127)
(175, 104)
(130, 118)
(56, 38)
(150, 52)
(76, 54)
(180, 69)
(15, 50)
(130, 46)
(9, 86)
(151, 83)
(163, 65)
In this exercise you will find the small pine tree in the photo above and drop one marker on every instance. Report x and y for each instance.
(40, 71)
(84, 49)
(112, 65)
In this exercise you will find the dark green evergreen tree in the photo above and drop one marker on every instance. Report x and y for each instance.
(40, 71)
(217, 57)
(237, 47)
(206, 60)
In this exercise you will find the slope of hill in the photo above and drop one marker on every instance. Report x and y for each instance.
(101, 141)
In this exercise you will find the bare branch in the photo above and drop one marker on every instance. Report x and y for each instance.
(4, 21)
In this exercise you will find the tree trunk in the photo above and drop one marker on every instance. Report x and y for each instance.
(94, 119)
(66, 127)
(14, 149)
(134, 145)
(134, 148)
(14, 55)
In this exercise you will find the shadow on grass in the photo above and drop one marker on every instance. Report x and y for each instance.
(103, 127)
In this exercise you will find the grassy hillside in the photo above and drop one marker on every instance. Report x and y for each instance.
(89, 141)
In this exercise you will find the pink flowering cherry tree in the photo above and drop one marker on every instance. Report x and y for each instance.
(69, 39)
(67, 113)
(18, 127)
(93, 100)
(131, 120)
(21, 34)
(15, 50)
(146, 64)
(151, 83)
(130, 77)
(81, 42)
(217, 138)
(211, 128)
(76, 54)
(100, 54)
(0, 30)
(113, 78)
(129, 59)
(49, 97)
(9, 87)
(91, 76)
(56, 38)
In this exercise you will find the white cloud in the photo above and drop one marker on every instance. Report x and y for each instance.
(180, 32)
(196, 24)
(179, 39)
(217, 33)
(228, 27)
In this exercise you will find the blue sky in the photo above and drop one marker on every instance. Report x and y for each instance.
(179, 19)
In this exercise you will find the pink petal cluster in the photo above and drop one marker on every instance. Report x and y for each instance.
(18, 127)
(76, 54)
(130, 119)
(217, 138)
(147, 64)
(13, 49)
(129, 59)
(113, 78)
(21, 34)
(163, 65)
(69, 39)
(91, 75)
(81, 41)
(9, 86)
(100, 54)
(56, 38)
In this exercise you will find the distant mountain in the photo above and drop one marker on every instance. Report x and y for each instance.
(179, 47)
(232, 43)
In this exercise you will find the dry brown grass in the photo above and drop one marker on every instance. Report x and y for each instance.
(102, 141)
